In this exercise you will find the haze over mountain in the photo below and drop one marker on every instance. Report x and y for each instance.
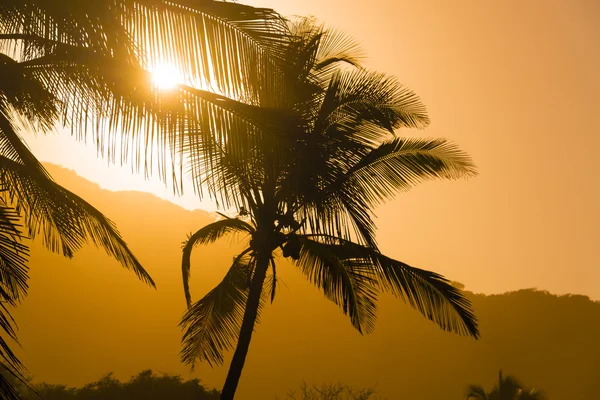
(88, 316)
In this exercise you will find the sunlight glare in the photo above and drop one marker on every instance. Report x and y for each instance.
(166, 76)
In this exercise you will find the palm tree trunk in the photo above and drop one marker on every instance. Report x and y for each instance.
(250, 314)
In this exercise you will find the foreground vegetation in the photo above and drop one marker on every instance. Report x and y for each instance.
(507, 388)
(145, 385)
(336, 391)
(149, 386)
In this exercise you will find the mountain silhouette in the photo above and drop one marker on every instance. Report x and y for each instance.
(87, 316)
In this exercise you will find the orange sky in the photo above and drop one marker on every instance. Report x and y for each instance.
(516, 85)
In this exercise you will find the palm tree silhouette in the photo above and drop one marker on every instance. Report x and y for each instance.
(83, 64)
(307, 165)
(508, 388)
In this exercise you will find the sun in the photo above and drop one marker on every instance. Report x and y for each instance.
(166, 76)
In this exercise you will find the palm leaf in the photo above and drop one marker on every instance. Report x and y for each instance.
(24, 93)
(337, 47)
(208, 234)
(348, 282)
(208, 40)
(90, 55)
(13, 286)
(428, 292)
(95, 94)
(234, 46)
(357, 101)
(400, 164)
(271, 281)
(11, 369)
(344, 216)
(344, 195)
(13, 257)
(8, 380)
(64, 219)
(95, 24)
(212, 324)
(231, 143)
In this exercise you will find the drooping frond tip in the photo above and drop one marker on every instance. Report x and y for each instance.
(429, 293)
(205, 235)
(351, 275)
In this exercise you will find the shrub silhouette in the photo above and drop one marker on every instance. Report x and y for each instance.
(145, 385)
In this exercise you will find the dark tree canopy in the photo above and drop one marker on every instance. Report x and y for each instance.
(145, 385)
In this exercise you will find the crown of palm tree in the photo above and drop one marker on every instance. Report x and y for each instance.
(307, 165)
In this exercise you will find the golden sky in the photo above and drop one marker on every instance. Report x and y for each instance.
(515, 84)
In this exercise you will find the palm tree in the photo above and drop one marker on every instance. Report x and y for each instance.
(84, 64)
(305, 167)
(508, 388)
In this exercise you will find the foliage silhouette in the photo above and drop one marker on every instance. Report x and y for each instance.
(508, 388)
(83, 64)
(145, 385)
(331, 392)
(305, 168)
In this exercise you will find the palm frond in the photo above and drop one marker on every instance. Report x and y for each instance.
(229, 142)
(13, 286)
(337, 51)
(95, 24)
(267, 119)
(208, 234)
(337, 46)
(64, 219)
(335, 195)
(357, 100)
(8, 383)
(99, 96)
(348, 282)
(347, 217)
(90, 56)
(232, 45)
(227, 178)
(212, 324)
(7, 324)
(11, 369)
(13, 257)
(111, 102)
(22, 92)
(428, 292)
(271, 281)
(400, 164)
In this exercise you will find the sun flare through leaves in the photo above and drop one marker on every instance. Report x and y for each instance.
(166, 76)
